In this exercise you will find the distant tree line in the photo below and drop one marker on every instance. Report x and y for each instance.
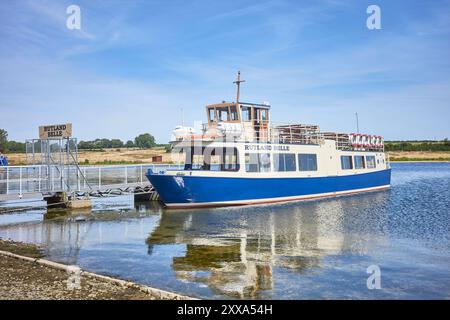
(143, 141)
(436, 146)
(9, 146)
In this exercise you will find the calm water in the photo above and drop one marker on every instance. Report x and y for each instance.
(309, 250)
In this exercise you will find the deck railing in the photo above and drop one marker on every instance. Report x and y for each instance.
(274, 132)
(41, 178)
(265, 131)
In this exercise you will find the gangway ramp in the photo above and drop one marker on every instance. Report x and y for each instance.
(33, 181)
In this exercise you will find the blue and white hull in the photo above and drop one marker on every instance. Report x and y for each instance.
(241, 157)
(187, 191)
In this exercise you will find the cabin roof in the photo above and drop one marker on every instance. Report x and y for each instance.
(242, 104)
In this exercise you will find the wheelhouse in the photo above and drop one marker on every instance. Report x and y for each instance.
(250, 119)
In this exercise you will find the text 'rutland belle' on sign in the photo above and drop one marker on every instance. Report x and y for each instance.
(56, 131)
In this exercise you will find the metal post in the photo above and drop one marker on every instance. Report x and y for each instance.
(7, 180)
(61, 168)
(126, 175)
(39, 179)
(27, 178)
(78, 181)
(20, 181)
(141, 173)
(99, 177)
(67, 162)
(52, 180)
(85, 177)
(76, 163)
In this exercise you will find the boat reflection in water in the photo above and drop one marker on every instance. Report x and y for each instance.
(240, 252)
(235, 251)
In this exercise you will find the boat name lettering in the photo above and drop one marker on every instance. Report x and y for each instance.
(266, 148)
(55, 131)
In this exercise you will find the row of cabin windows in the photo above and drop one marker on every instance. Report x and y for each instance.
(282, 162)
(230, 113)
(226, 159)
(212, 159)
(223, 114)
(357, 162)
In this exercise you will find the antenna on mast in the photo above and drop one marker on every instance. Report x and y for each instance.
(238, 83)
(182, 117)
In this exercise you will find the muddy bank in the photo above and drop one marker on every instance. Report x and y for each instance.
(24, 249)
(21, 279)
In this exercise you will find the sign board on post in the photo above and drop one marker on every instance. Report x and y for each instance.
(57, 131)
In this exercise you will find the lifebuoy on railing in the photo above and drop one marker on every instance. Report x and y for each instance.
(368, 141)
(363, 140)
(352, 138)
(373, 141)
(358, 140)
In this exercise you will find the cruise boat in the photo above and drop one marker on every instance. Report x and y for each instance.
(241, 157)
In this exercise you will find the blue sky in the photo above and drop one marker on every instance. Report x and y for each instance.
(135, 64)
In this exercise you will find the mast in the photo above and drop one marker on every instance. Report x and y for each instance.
(238, 83)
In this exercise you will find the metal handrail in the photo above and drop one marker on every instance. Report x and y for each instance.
(31, 178)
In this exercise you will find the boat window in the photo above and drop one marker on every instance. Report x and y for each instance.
(212, 115)
(257, 162)
(346, 162)
(195, 159)
(359, 162)
(370, 161)
(264, 115)
(211, 159)
(256, 114)
(223, 114)
(264, 162)
(230, 159)
(233, 113)
(246, 114)
(251, 162)
(284, 162)
(307, 162)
